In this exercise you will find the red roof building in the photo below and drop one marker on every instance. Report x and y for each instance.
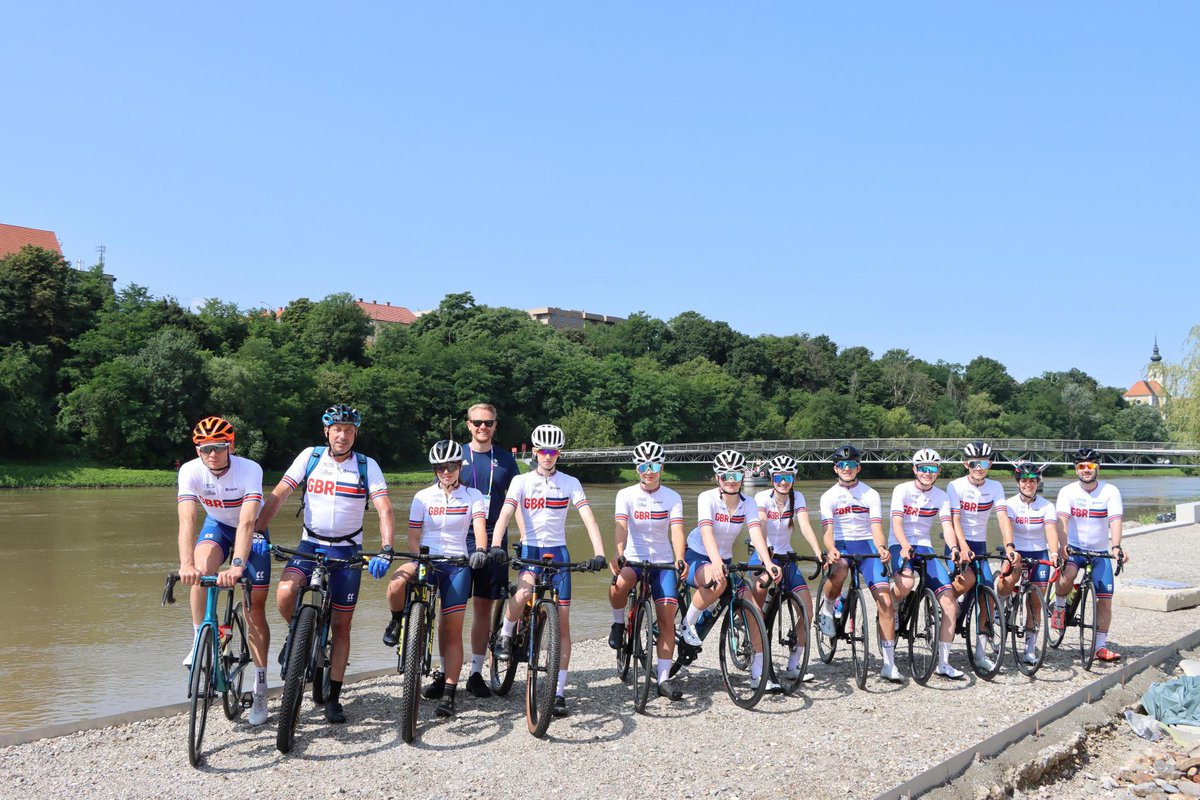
(386, 313)
(1149, 392)
(14, 237)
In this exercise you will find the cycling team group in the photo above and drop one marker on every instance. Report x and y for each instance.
(478, 490)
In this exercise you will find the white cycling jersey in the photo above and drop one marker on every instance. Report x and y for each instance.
(851, 511)
(1088, 513)
(974, 504)
(542, 502)
(222, 496)
(779, 534)
(916, 509)
(649, 516)
(334, 500)
(1029, 521)
(726, 526)
(444, 520)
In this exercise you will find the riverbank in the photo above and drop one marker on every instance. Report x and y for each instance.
(74, 476)
(815, 744)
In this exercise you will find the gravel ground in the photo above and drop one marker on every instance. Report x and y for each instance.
(831, 740)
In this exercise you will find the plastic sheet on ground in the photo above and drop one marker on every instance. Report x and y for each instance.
(1174, 702)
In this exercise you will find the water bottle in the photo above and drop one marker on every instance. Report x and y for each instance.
(839, 607)
(705, 622)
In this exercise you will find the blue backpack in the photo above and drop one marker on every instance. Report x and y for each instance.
(314, 457)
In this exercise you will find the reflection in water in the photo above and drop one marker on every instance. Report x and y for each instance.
(84, 635)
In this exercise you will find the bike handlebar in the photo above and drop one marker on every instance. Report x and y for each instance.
(282, 553)
(1090, 554)
(460, 561)
(168, 595)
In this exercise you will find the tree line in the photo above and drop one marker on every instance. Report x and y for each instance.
(120, 378)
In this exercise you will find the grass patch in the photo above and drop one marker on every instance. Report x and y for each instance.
(24, 476)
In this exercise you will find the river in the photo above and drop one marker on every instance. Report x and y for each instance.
(84, 634)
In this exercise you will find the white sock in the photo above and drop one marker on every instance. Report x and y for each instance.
(618, 616)
(979, 648)
(562, 682)
(195, 630)
(943, 654)
(756, 666)
(1060, 602)
(664, 669)
(507, 628)
(1031, 642)
(889, 653)
(260, 680)
(692, 615)
(1101, 639)
(476, 663)
(796, 657)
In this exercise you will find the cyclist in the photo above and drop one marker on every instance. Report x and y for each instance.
(1091, 512)
(649, 527)
(973, 497)
(852, 518)
(489, 469)
(439, 517)
(230, 489)
(1035, 535)
(915, 506)
(723, 512)
(336, 488)
(542, 496)
(780, 510)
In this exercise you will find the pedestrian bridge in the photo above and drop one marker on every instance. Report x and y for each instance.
(899, 451)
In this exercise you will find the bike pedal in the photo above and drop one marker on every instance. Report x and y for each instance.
(247, 699)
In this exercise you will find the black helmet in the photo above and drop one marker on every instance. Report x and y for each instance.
(1086, 454)
(1027, 469)
(977, 449)
(847, 452)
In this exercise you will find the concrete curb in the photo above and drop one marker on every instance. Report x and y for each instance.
(957, 764)
(140, 715)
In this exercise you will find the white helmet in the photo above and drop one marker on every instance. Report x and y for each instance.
(977, 449)
(548, 436)
(445, 451)
(649, 453)
(926, 455)
(782, 464)
(729, 460)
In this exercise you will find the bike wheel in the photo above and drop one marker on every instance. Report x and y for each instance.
(234, 658)
(788, 631)
(860, 640)
(737, 652)
(642, 656)
(1026, 622)
(502, 672)
(923, 639)
(200, 690)
(541, 677)
(293, 685)
(321, 673)
(1056, 636)
(985, 632)
(625, 651)
(414, 657)
(826, 645)
(1087, 624)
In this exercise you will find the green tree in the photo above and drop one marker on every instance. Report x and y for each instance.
(26, 411)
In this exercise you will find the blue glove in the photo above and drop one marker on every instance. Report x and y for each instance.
(260, 545)
(378, 565)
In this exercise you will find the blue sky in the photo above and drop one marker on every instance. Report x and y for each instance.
(934, 176)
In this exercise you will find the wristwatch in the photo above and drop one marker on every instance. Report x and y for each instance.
(237, 562)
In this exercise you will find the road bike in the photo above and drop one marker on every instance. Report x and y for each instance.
(636, 654)
(1081, 604)
(849, 618)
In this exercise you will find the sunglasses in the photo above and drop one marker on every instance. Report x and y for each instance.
(783, 478)
(732, 475)
(214, 448)
(929, 469)
(846, 465)
(979, 463)
(448, 467)
(649, 467)
(1086, 465)
(547, 451)
(482, 423)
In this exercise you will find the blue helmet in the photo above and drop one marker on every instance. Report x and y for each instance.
(341, 413)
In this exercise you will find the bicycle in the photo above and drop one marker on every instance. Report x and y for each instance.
(786, 622)
(637, 653)
(850, 624)
(1081, 605)
(306, 652)
(1020, 618)
(740, 619)
(535, 639)
(220, 654)
(920, 619)
(980, 622)
(414, 651)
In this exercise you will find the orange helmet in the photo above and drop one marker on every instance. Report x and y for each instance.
(212, 429)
